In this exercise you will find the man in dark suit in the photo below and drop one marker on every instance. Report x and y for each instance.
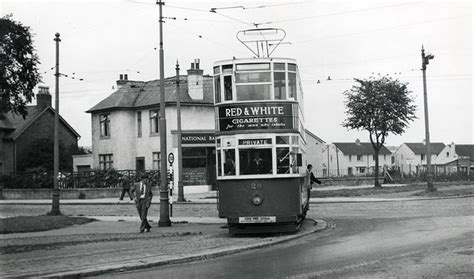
(142, 196)
(312, 179)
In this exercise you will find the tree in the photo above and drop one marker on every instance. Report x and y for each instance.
(379, 106)
(40, 154)
(19, 72)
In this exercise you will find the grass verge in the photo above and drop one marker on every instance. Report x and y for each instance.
(23, 224)
(444, 190)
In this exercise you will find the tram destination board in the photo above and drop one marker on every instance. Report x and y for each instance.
(257, 116)
(257, 219)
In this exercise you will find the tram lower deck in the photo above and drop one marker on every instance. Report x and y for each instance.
(263, 205)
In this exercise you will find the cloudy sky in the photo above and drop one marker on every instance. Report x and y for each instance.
(342, 40)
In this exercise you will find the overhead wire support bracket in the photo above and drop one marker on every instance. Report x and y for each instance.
(264, 40)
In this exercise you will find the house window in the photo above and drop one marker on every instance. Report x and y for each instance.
(104, 125)
(156, 160)
(154, 122)
(422, 157)
(106, 161)
(350, 158)
(139, 124)
(360, 169)
(447, 154)
(359, 158)
(374, 157)
(385, 157)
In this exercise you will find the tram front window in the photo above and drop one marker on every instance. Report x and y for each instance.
(253, 92)
(255, 161)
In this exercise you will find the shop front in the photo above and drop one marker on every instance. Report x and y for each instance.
(199, 160)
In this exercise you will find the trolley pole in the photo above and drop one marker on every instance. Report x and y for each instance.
(180, 151)
(425, 59)
(164, 194)
(55, 202)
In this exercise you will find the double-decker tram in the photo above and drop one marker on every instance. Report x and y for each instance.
(260, 143)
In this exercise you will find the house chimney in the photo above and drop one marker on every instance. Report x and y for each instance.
(123, 79)
(43, 98)
(195, 81)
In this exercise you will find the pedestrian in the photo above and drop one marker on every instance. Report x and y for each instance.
(125, 189)
(311, 177)
(311, 181)
(142, 197)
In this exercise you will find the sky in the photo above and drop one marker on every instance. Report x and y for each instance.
(342, 40)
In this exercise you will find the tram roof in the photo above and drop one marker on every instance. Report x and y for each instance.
(255, 60)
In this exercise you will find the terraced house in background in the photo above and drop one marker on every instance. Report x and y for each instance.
(410, 158)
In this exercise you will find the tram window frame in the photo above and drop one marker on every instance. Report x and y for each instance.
(217, 88)
(219, 163)
(279, 85)
(283, 162)
(249, 89)
(228, 88)
(229, 162)
(263, 165)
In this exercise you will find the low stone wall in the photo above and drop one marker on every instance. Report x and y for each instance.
(348, 181)
(32, 194)
(85, 193)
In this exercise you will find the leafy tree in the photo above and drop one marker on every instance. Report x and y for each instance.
(19, 72)
(379, 106)
(41, 154)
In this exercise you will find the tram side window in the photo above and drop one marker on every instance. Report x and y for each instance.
(279, 85)
(253, 92)
(292, 85)
(255, 161)
(283, 160)
(229, 163)
(219, 161)
(227, 88)
(217, 88)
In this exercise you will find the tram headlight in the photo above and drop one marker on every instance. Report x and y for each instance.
(257, 199)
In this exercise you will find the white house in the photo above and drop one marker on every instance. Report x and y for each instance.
(455, 158)
(411, 157)
(354, 158)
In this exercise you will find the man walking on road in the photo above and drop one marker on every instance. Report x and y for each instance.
(142, 196)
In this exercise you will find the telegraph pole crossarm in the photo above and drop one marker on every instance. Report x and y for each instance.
(425, 59)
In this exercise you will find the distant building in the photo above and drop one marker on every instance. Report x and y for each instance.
(410, 158)
(455, 158)
(126, 135)
(18, 134)
(354, 158)
(314, 153)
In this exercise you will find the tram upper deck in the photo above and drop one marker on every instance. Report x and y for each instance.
(259, 114)
(258, 94)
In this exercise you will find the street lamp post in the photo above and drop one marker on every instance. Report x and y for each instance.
(55, 202)
(425, 59)
(164, 194)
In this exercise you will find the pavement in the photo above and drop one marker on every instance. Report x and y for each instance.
(112, 243)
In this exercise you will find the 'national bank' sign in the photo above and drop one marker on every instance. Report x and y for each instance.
(256, 116)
